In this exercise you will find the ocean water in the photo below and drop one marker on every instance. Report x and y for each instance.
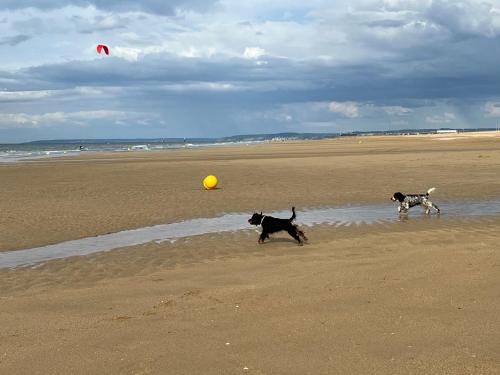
(55, 148)
(230, 222)
(14, 152)
(27, 151)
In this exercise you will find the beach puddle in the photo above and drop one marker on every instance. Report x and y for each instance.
(336, 216)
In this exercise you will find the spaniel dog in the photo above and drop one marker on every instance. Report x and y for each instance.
(410, 200)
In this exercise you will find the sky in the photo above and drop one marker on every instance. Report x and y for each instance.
(211, 68)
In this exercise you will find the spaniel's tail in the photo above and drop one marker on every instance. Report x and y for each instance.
(431, 190)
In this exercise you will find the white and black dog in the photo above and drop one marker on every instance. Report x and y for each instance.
(271, 224)
(411, 200)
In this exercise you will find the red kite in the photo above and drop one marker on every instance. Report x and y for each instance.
(101, 47)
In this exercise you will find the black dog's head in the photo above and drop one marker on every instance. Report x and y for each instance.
(256, 219)
(400, 197)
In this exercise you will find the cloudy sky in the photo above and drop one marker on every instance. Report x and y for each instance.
(197, 68)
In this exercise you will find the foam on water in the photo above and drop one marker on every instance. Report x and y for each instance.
(11, 153)
(337, 216)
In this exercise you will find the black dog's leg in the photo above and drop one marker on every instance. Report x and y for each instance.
(293, 232)
(263, 237)
(301, 234)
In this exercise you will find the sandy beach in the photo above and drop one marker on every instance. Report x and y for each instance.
(418, 296)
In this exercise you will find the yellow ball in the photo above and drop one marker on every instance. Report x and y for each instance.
(210, 182)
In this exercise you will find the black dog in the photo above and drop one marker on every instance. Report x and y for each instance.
(410, 200)
(272, 225)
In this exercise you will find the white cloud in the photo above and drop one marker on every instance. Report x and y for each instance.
(10, 96)
(441, 119)
(203, 86)
(397, 110)
(129, 54)
(473, 17)
(253, 52)
(24, 120)
(348, 109)
(88, 90)
(492, 109)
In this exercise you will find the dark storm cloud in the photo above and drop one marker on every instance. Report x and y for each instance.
(157, 71)
(278, 81)
(14, 40)
(163, 7)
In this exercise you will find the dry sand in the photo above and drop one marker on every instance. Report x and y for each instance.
(414, 297)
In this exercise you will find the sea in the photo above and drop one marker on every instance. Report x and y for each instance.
(14, 152)
(33, 151)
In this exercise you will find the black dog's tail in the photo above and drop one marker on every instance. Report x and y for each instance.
(293, 214)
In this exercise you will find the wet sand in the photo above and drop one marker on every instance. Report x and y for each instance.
(413, 297)
(57, 199)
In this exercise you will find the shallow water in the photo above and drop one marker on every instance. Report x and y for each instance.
(337, 216)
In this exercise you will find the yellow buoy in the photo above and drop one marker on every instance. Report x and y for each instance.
(210, 182)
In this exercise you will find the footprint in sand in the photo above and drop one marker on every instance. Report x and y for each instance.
(156, 308)
(121, 317)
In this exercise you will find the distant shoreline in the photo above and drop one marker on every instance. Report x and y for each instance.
(251, 137)
(38, 150)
